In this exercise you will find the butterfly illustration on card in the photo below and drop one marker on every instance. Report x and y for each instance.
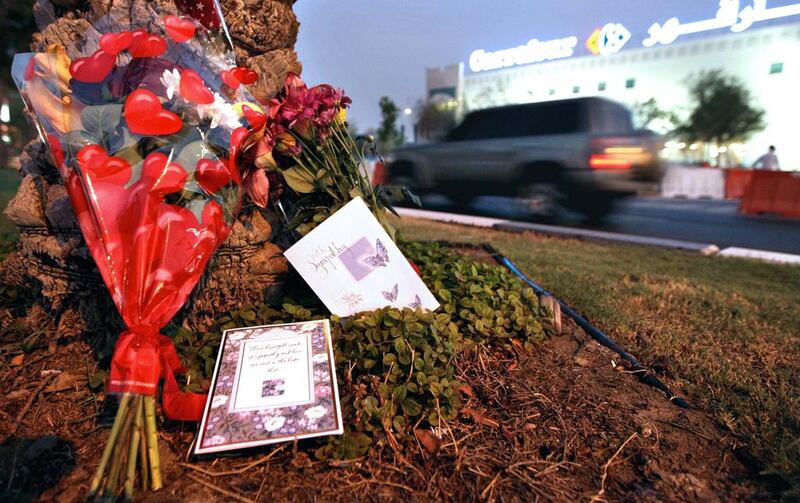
(381, 257)
(417, 302)
(391, 295)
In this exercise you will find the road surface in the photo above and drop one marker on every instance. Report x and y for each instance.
(702, 221)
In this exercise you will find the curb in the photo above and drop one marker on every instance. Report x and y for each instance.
(553, 230)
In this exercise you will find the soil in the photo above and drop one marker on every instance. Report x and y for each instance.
(563, 423)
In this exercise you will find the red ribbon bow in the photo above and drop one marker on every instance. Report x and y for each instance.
(140, 360)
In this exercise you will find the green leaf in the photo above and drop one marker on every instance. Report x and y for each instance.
(399, 423)
(192, 152)
(100, 120)
(399, 393)
(411, 407)
(299, 180)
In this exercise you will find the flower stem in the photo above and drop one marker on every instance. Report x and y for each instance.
(143, 450)
(112, 439)
(152, 442)
(118, 456)
(133, 449)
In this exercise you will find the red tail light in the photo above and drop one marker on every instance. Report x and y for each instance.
(608, 161)
(379, 175)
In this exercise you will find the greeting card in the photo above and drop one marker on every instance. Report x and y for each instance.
(353, 265)
(271, 384)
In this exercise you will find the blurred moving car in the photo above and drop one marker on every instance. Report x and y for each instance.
(582, 154)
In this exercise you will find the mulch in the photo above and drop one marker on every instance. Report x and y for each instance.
(565, 422)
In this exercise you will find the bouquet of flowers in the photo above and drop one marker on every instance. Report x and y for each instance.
(147, 129)
(307, 145)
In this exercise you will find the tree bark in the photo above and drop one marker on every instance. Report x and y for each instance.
(52, 258)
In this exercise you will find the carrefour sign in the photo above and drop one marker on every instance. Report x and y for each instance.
(535, 51)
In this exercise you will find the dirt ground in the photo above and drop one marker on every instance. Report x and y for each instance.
(560, 424)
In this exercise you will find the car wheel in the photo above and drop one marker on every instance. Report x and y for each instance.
(542, 201)
(407, 183)
(595, 208)
(461, 200)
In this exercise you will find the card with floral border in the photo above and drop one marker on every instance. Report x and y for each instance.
(353, 265)
(271, 384)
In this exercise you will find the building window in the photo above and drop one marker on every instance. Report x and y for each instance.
(775, 68)
(630, 83)
(576, 89)
(601, 86)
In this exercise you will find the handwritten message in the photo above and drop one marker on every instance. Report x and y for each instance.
(274, 373)
(323, 259)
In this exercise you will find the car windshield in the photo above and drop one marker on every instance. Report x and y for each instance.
(610, 118)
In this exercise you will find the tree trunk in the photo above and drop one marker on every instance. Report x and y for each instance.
(52, 258)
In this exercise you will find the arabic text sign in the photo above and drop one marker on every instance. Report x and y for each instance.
(730, 14)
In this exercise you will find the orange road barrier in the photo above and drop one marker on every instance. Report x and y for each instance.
(735, 182)
(773, 192)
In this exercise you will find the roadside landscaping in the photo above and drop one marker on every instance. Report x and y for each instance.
(725, 331)
(477, 405)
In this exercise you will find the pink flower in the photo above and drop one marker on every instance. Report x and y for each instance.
(256, 184)
(297, 107)
(293, 83)
(330, 97)
(326, 116)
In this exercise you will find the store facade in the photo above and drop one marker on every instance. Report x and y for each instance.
(758, 45)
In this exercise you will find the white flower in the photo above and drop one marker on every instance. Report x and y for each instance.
(274, 423)
(316, 412)
(171, 80)
(219, 401)
(215, 440)
(220, 112)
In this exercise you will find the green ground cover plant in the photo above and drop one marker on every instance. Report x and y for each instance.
(396, 368)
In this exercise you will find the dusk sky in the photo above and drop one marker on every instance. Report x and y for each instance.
(382, 47)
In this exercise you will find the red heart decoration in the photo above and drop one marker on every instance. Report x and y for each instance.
(194, 89)
(245, 75)
(230, 79)
(255, 118)
(212, 175)
(98, 166)
(145, 115)
(179, 29)
(162, 176)
(146, 45)
(94, 68)
(57, 151)
(212, 216)
(238, 76)
(115, 43)
(30, 70)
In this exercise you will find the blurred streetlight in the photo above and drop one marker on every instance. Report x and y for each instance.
(408, 111)
(5, 113)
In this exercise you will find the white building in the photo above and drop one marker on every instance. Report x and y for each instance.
(759, 45)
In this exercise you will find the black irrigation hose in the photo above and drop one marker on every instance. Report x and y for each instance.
(639, 370)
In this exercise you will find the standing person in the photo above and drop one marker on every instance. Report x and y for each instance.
(768, 161)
